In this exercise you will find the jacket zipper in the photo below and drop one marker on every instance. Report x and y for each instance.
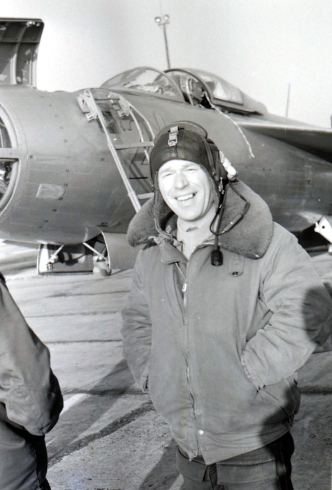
(180, 299)
(190, 386)
(183, 308)
(186, 336)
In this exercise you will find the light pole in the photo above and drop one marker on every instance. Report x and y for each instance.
(163, 21)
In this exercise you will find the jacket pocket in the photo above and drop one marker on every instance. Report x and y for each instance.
(284, 395)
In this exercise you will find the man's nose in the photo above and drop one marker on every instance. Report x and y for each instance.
(180, 180)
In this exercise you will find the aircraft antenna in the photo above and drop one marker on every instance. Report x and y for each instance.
(288, 99)
(162, 22)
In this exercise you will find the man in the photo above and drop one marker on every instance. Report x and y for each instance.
(30, 400)
(225, 307)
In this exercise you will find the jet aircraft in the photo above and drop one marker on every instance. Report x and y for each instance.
(74, 167)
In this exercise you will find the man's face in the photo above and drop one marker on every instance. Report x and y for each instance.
(186, 189)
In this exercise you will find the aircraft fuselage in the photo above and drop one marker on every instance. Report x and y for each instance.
(64, 188)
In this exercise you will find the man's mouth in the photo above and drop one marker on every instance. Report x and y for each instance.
(186, 197)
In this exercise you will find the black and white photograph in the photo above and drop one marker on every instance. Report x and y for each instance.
(165, 245)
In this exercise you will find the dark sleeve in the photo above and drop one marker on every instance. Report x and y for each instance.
(28, 388)
(301, 315)
(136, 329)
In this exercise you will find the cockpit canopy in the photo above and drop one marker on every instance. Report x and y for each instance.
(145, 80)
(196, 87)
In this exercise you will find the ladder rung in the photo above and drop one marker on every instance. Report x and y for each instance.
(141, 144)
(145, 196)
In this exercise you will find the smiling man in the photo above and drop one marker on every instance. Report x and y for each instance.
(224, 308)
(187, 190)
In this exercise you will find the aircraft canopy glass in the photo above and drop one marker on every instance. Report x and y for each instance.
(220, 89)
(146, 80)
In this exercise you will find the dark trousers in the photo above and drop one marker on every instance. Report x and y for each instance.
(23, 458)
(267, 468)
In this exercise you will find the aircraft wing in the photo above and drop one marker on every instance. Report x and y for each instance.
(317, 141)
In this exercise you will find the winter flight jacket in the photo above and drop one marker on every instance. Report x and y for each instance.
(220, 367)
(30, 398)
(28, 388)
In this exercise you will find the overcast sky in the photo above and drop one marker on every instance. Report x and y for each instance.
(261, 46)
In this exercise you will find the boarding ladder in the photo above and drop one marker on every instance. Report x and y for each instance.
(89, 105)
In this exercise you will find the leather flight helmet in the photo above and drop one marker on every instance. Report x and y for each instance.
(186, 140)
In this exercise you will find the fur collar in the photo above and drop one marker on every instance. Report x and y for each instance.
(250, 237)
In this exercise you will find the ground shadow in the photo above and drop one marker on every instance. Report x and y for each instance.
(164, 474)
(65, 437)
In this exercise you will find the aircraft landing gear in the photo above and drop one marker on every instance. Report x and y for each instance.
(84, 257)
(78, 258)
(101, 260)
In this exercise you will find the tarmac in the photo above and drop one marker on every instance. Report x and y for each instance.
(109, 437)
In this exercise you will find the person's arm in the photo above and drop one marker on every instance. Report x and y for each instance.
(301, 316)
(29, 390)
(136, 329)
